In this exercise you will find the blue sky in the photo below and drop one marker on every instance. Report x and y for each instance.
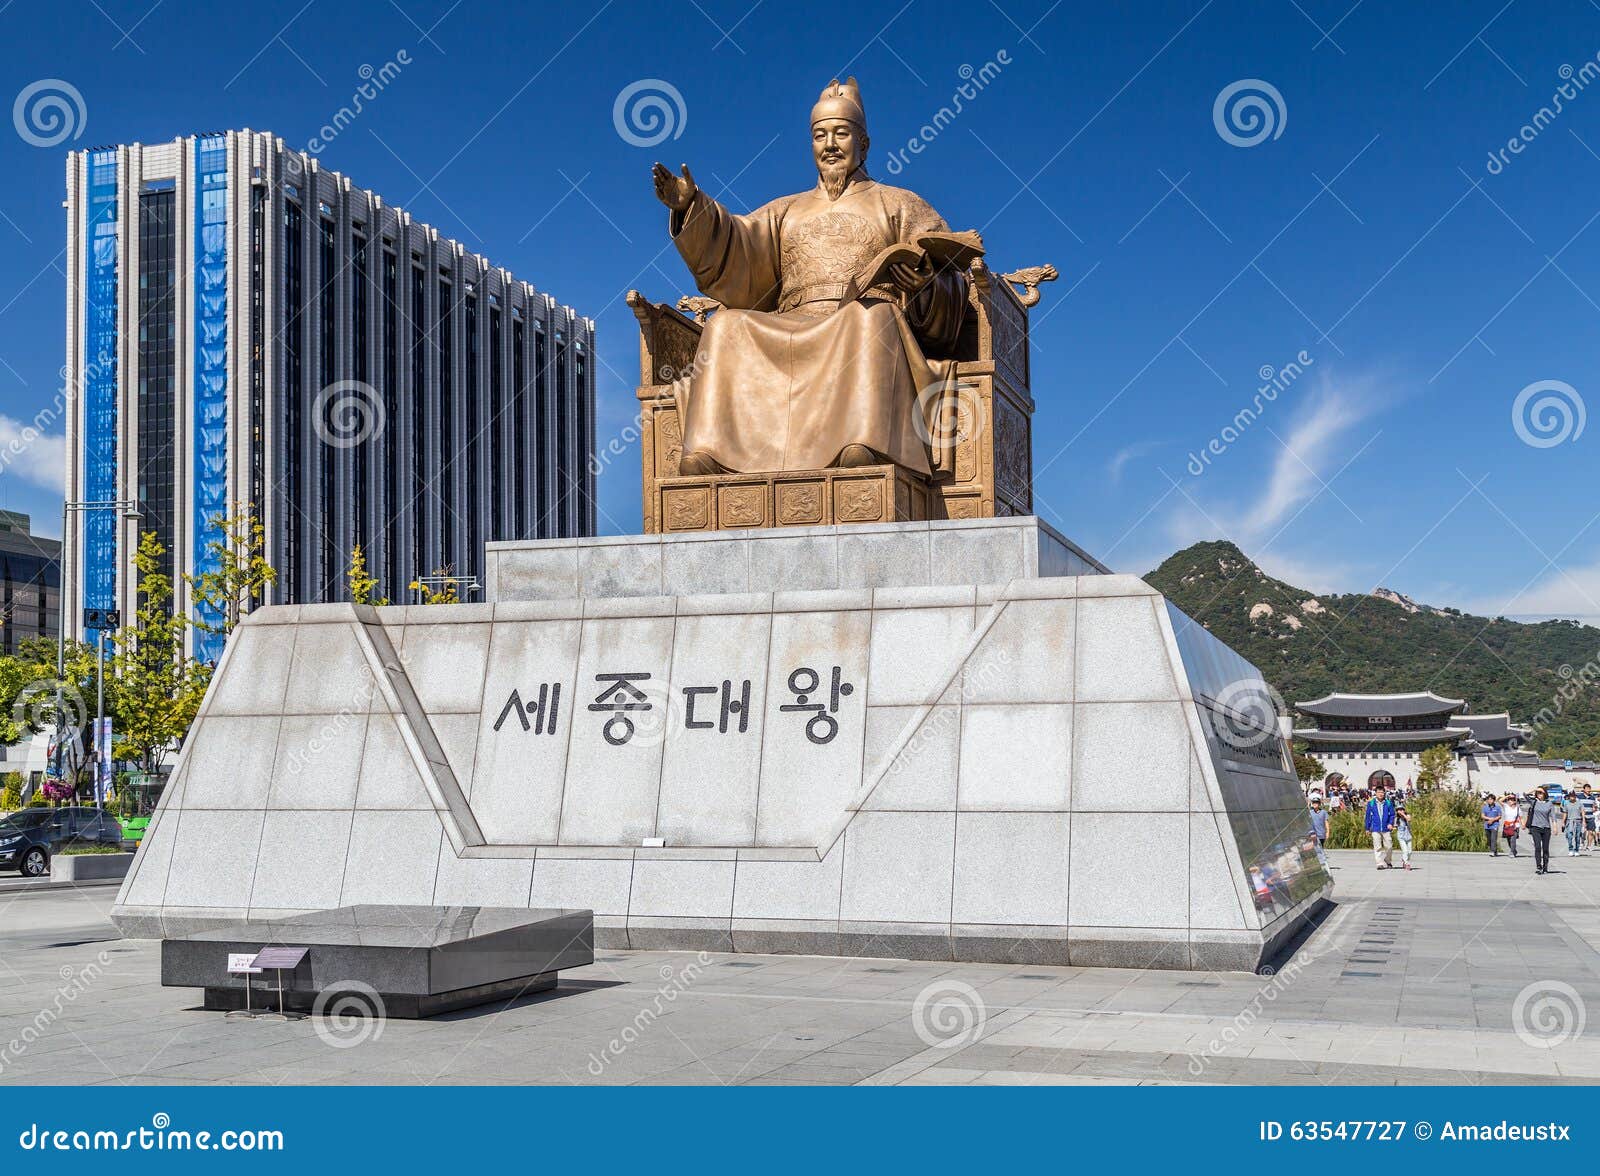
(1368, 230)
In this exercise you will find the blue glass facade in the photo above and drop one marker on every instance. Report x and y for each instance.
(210, 367)
(100, 382)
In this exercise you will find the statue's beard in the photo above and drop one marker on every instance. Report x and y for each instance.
(835, 176)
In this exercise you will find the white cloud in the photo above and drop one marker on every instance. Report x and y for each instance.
(1317, 574)
(1308, 447)
(1127, 453)
(1311, 450)
(1562, 592)
(30, 455)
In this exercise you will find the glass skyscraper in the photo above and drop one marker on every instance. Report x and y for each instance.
(247, 329)
(30, 582)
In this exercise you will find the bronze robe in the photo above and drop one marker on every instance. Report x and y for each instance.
(786, 377)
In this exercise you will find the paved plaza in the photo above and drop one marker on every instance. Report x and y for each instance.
(1468, 969)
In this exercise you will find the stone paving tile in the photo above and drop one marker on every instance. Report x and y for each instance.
(1449, 947)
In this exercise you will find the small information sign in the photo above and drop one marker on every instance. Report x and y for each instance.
(242, 963)
(280, 957)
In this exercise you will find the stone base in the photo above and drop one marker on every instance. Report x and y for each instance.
(405, 1005)
(416, 961)
(784, 559)
(801, 739)
(798, 498)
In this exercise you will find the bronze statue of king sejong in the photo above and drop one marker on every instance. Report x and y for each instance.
(803, 369)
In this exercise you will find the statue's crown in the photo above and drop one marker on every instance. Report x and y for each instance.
(840, 100)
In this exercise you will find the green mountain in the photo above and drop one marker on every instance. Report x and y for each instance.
(1307, 644)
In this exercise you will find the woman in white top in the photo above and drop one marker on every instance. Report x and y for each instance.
(1510, 822)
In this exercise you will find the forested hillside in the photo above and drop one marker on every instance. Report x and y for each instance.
(1382, 643)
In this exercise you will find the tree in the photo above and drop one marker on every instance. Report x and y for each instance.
(1438, 765)
(440, 588)
(29, 690)
(363, 586)
(1308, 767)
(242, 576)
(158, 686)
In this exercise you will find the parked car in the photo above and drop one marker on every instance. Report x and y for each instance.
(31, 837)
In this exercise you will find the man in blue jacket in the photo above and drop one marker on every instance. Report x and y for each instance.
(1493, 817)
(1380, 823)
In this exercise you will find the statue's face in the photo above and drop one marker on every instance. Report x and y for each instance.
(838, 145)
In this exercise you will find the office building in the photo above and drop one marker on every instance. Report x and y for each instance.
(247, 329)
(30, 583)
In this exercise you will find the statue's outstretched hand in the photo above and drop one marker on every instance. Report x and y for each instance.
(912, 278)
(675, 191)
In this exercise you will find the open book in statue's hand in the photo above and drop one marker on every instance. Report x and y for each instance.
(954, 250)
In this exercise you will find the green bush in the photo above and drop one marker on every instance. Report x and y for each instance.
(1457, 834)
(1439, 821)
(1445, 804)
(11, 792)
(83, 850)
(1345, 830)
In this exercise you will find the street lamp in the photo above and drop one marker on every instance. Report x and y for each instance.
(100, 620)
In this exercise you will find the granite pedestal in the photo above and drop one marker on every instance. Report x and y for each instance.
(416, 960)
(947, 740)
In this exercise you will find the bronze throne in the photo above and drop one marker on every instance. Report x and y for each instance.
(982, 455)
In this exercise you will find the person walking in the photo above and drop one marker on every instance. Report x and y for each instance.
(1319, 822)
(1402, 833)
(1510, 821)
(1541, 819)
(1379, 822)
(1587, 797)
(1572, 823)
(1492, 814)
